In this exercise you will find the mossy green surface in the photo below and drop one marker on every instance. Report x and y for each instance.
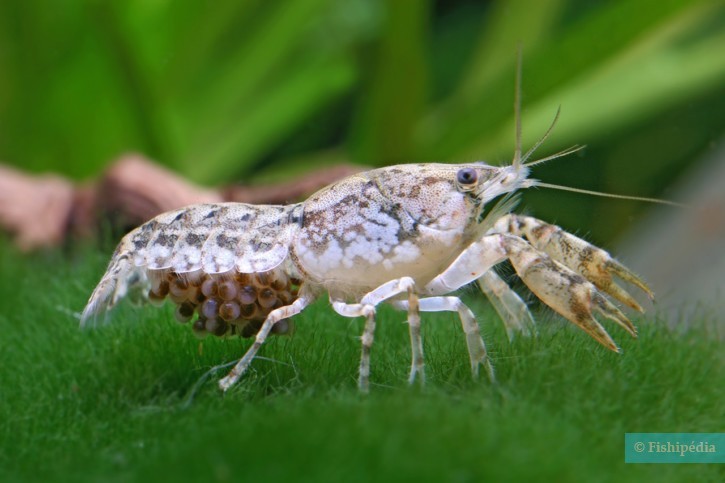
(122, 402)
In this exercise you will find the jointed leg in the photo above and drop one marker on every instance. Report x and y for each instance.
(366, 308)
(367, 311)
(559, 287)
(474, 341)
(470, 265)
(476, 263)
(417, 365)
(274, 316)
(593, 263)
(565, 291)
(508, 304)
(367, 345)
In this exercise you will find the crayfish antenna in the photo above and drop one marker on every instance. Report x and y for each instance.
(540, 184)
(517, 111)
(520, 160)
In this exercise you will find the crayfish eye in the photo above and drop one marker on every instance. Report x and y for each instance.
(467, 178)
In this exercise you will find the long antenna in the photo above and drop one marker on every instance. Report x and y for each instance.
(560, 154)
(543, 138)
(517, 110)
(518, 161)
(606, 195)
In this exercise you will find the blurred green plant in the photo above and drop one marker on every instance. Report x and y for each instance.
(241, 90)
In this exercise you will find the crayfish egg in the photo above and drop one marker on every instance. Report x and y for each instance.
(209, 287)
(177, 299)
(283, 326)
(209, 308)
(178, 287)
(251, 328)
(262, 279)
(194, 295)
(279, 283)
(229, 311)
(194, 279)
(222, 329)
(159, 286)
(199, 327)
(267, 298)
(228, 290)
(184, 312)
(216, 326)
(248, 311)
(247, 295)
(155, 298)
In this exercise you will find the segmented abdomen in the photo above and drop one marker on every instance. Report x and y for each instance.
(214, 238)
(207, 238)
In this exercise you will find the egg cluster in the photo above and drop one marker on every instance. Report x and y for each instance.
(229, 303)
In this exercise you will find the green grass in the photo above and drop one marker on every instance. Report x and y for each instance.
(121, 402)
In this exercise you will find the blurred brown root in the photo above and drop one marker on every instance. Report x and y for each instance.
(36, 209)
(44, 210)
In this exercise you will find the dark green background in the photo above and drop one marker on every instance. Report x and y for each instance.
(249, 90)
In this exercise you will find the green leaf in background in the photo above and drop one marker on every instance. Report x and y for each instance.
(393, 96)
(231, 91)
